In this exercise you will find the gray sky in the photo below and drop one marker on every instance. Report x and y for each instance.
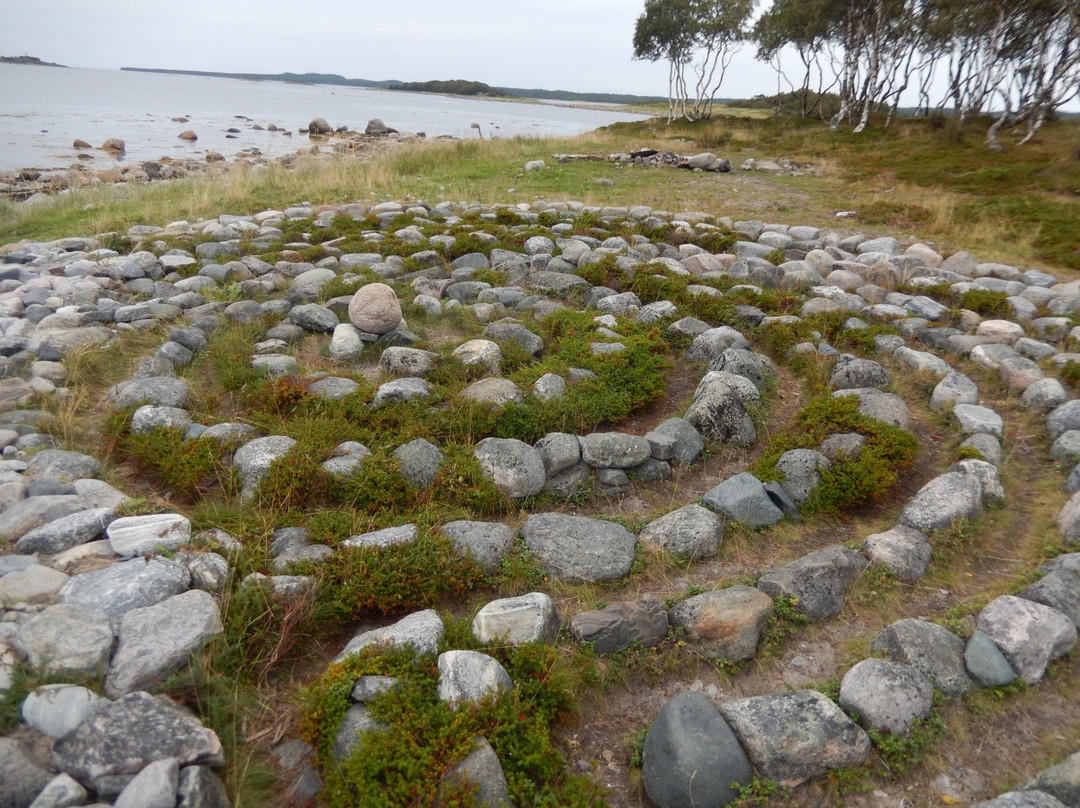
(579, 45)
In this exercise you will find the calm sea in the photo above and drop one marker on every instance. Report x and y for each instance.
(44, 109)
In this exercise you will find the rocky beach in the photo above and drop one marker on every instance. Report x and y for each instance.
(515, 367)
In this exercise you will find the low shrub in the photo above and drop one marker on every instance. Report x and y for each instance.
(986, 302)
(847, 482)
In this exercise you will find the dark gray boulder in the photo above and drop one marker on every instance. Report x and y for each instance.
(1022, 799)
(619, 625)
(1061, 781)
(945, 499)
(578, 548)
(903, 550)
(985, 662)
(691, 758)
(791, 737)
(516, 468)
(818, 581)
(199, 787)
(66, 532)
(619, 450)
(419, 462)
(481, 771)
(850, 372)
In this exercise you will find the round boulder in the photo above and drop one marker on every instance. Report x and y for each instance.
(375, 309)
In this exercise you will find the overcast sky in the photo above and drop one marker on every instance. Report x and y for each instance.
(579, 45)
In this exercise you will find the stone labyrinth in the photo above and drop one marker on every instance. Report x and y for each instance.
(454, 378)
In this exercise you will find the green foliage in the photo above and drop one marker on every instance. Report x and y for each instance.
(519, 571)
(784, 623)
(392, 580)
(405, 764)
(986, 302)
(758, 791)
(847, 482)
(191, 468)
(1069, 373)
(899, 752)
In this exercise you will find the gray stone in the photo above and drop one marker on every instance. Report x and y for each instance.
(688, 444)
(414, 362)
(252, 461)
(574, 481)
(873, 403)
(356, 723)
(520, 620)
(886, 695)
(973, 419)
(481, 772)
(516, 468)
(161, 391)
(386, 537)
(1061, 781)
(423, 631)
(1068, 520)
(1067, 446)
(1044, 395)
(1063, 418)
(66, 638)
(275, 365)
(744, 499)
(1022, 799)
(157, 640)
(408, 389)
(132, 732)
(819, 581)
(506, 331)
(724, 623)
(550, 386)
(58, 464)
(333, 388)
(132, 536)
(153, 787)
(1059, 589)
(22, 777)
(945, 499)
(691, 531)
(481, 352)
(579, 549)
(494, 392)
(757, 368)
(800, 468)
(118, 589)
(929, 648)
(199, 787)
(374, 308)
(691, 758)
(614, 450)
(985, 662)
(713, 342)
(719, 410)
(903, 550)
(485, 542)
(148, 418)
(66, 532)
(346, 344)
(469, 676)
(791, 737)
(850, 372)
(62, 791)
(619, 625)
(986, 474)
(31, 586)
(558, 452)
(419, 462)
(988, 447)
(1029, 634)
(55, 710)
(209, 571)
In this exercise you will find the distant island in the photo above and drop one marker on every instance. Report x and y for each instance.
(453, 87)
(27, 60)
